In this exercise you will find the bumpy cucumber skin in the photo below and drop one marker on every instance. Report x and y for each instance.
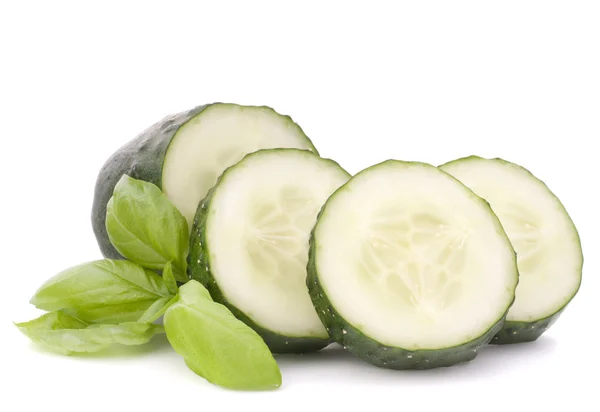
(199, 269)
(370, 350)
(380, 355)
(142, 159)
(521, 332)
(524, 331)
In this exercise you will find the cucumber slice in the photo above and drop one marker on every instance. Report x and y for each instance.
(185, 153)
(249, 243)
(548, 249)
(409, 269)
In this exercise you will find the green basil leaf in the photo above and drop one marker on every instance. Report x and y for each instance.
(67, 335)
(104, 291)
(145, 227)
(193, 292)
(216, 345)
(169, 279)
(157, 309)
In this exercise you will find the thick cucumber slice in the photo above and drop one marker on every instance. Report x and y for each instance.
(249, 243)
(548, 249)
(409, 269)
(185, 153)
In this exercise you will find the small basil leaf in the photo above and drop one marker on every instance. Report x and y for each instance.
(193, 292)
(157, 309)
(169, 279)
(104, 291)
(216, 345)
(145, 227)
(67, 335)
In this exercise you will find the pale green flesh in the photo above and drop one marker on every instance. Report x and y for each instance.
(260, 218)
(423, 262)
(539, 228)
(418, 259)
(277, 246)
(215, 139)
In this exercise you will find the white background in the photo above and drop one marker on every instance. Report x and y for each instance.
(428, 81)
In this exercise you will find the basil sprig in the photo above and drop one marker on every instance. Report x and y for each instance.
(93, 301)
(97, 304)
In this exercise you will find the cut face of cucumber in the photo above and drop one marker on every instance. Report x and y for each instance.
(409, 268)
(215, 139)
(548, 249)
(185, 153)
(249, 243)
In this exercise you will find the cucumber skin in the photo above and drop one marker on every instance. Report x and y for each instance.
(368, 349)
(142, 158)
(376, 353)
(521, 332)
(199, 269)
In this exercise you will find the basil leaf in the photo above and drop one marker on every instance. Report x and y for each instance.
(104, 291)
(216, 345)
(157, 309)
(67, 335)
(145, 227)
(193, 292)
(169, 279)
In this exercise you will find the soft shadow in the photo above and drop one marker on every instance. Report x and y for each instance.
(158, 344)
(502, 357)
(333, 353)
(491, 360)
(332, 358)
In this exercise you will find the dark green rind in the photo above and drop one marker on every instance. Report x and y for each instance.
(370, 350)
(381, 355)
(199, 269)
(142, 159)
(523, 331)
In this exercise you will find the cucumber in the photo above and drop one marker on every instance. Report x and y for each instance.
(549, 254)
(185, 153)
(409, 269)
(249, 243)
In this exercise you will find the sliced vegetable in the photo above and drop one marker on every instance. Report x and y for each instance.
(216, 345)
(145, 227)
(185, 153)
(409, 269)
(549, 254)
(249, 244)
(104, 291)
(64, 334)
